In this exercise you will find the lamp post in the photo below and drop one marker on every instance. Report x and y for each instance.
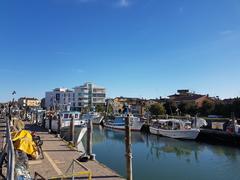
(10, 105)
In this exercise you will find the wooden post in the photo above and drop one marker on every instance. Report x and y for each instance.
(128, 148)
(148, 119)
(89, 137)
(32, 118)
(59, 124)
(25, 113)
(72, 129)
(37, 117)
(50, 124)
(195, 121)
(43, 120)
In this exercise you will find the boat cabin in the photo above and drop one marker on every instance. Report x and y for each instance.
(68, 115)
(172, 124)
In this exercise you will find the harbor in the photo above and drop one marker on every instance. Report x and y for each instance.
(119, 90)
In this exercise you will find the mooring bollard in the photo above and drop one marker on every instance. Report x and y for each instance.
(128, 148)
(72, 129)
(89, 139)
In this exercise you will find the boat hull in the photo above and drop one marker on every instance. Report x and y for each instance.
(65, 123)
(177, 134)
(122, 127)
(97, 121)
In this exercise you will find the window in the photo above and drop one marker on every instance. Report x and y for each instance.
(76, 116)
(98, 95)
(65, 116)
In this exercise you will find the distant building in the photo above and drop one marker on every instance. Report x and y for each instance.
(185, 96)
(59, 99)
(89, 95)
(43, 103)
(137, 105)
(25, 102)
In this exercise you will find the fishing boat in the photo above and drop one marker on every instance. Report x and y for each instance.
(65, 119)
(174, 128)
(118, 122)
(95, 117)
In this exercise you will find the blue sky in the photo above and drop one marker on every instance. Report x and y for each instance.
(138, 48)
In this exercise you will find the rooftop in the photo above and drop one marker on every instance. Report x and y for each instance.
(188, 98)
(62, 90)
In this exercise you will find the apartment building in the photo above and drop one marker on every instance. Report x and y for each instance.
(59, 99)
(89, 95)
(86, 95)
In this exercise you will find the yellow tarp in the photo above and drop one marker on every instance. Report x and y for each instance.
(23, 141)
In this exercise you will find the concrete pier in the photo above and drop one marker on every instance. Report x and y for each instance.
(58, 156)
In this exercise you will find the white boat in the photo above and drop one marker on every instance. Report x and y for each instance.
(119, 123)
(95, 117)
(65, 119)
(174, 128)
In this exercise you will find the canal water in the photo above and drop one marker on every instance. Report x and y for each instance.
(161, 158)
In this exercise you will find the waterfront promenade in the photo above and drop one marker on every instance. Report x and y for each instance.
(58, 157)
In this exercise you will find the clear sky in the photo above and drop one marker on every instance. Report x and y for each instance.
(138, 48)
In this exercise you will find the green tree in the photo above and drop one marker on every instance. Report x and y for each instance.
(188, 108)
(109, 109)
(100, 108)
(207, 108)
(192, 109)
(157, 109)
(236, 107)
(170, 107)
(222, 109)
(183, 108)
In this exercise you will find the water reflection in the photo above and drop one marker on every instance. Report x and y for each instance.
(118, 135)
(158, 146)
(154, 157)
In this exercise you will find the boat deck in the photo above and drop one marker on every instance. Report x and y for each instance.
(58, 157)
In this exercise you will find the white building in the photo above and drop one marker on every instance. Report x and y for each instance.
(87, 95)
(59, 99)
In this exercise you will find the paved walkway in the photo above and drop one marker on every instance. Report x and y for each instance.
(58, 157)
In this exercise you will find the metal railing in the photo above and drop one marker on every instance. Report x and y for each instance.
(9, 149)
